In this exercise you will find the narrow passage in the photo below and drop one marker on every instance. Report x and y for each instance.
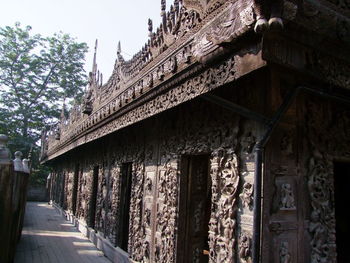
(48, 238)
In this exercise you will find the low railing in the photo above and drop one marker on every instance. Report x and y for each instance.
(14, 176)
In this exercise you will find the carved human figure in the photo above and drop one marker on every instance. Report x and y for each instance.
(284, 253)
(319, 238)
(244, 247)
(147, 216)
(268, 15)
(228, 225)
(246, 195)
(145, 248)
(247, 143)
(287, 197)
(173, 64)
(148, 185)
(87, 101)
(230, 179)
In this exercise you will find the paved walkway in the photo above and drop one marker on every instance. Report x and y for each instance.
(48, 238)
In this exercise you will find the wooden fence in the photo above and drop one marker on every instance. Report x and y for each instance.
(13, 188)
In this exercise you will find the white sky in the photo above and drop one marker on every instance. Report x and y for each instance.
(109, 21)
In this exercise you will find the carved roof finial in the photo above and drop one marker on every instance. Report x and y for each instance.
(162, 7)
(119, 53)
(150, 27)
(177, 6)
(94, 64)
(119, 50)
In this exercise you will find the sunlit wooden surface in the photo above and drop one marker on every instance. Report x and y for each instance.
(48, 238)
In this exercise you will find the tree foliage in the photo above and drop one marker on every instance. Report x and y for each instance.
(36, 74)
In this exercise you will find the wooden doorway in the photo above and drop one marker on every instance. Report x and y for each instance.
(342, 200)
(125, 194)
(93, 198)
(195, 207)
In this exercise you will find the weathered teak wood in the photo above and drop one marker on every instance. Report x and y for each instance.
(13, 189)
(149, 114)
(48, 238)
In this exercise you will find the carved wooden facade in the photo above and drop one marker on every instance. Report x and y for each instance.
(182, 120)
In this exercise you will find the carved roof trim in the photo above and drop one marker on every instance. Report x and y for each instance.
(186, 86)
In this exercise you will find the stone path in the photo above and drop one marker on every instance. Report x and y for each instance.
(48, 238)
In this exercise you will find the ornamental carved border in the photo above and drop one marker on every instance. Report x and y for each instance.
(166, 217)
(183, 58)
(136, 229)
(172, 94)
(222, 225)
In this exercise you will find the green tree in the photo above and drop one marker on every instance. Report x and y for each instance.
(36, 74)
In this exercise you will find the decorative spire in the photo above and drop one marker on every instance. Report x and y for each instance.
(119, 50)
(162, 7)
(94, 64)
(119, 53)
(150, 27)
(177, 7)
(172, 14)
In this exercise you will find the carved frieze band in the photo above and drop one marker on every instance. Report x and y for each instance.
(105, 101)
(204, 82)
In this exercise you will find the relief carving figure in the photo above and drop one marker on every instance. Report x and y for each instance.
(222, 225)
(319, 241)
(285, 256)
(87, 99)
(268, 15)
(287, 197)
(146, 252)
(244, 248)
(247, 195)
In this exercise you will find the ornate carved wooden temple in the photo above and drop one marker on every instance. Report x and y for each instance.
(225, 139)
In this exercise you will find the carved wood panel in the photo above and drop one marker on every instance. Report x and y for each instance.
(114, 197)
(136, 230)
(222, 225)
(166, 212)
(327, 140)
(148, 212)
